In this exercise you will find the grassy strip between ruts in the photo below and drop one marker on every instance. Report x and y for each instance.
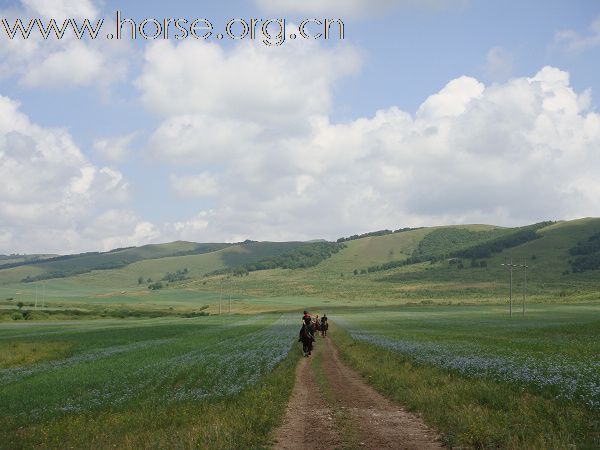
(340, 415)
(472, 413)
(242, 421)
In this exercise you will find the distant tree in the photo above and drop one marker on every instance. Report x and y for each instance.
(363, 271)
(141, 280)
(534, 257)
(355, 271)
(149, 280)
(179, 275)
(155, 286)
(20, 305)
(461, 265)
(474, 263)
(342, 275)
(482, 263)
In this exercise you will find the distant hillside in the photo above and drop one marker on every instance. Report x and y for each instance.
(22, 259)
(308, 254)
(437, 262)
(150, 261)
(552, 254)
(69, 265)
(461, 263)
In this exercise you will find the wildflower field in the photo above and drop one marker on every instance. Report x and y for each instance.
(89, 384)
(483, 379)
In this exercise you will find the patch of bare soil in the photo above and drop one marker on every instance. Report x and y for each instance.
(372, 421)
(308, 421)
(378, 422)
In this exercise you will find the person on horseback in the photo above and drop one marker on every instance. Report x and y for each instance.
(316, 325)
(306, 337)
(324, 325)
(306, 318)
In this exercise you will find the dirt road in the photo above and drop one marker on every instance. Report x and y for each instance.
(342, 411)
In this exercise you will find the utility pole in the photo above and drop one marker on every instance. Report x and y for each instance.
(230, 288)
(510, 266)
(524, 288)
(220, 295)
(510, 302)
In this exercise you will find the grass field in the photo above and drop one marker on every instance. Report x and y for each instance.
(481, 378)
(484, 380)
(93, 381)
(107, 362)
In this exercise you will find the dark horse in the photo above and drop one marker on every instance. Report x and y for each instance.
(324, 326)
(307, 339)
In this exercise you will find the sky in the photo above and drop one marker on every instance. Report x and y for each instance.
(426, 113)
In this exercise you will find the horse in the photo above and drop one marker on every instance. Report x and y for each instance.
(324, 326)
(314, 327)
(307, 339)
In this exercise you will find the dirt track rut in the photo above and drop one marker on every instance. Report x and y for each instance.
(355, 415)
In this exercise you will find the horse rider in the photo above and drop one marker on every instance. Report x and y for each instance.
(306, 318)
(307, 338)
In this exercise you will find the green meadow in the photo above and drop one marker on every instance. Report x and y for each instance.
(194, 345)
(218, 382)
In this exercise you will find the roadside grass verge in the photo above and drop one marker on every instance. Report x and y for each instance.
(14, 354)
(241, 421)
(340, 415)
(473, 413)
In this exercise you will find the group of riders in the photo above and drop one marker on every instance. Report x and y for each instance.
(311, 326)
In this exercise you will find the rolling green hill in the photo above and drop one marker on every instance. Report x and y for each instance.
(443, 279)
(22, 259)
(441, 264)
(64, 266)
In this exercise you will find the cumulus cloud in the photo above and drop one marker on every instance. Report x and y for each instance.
(575, 41)
(50, 192)
(227, 108)
(65, 62)
(509, 153)
(118, 228)
(115, 149)
(201, 185)
(279, 87)
(61, 9)
(347, 8)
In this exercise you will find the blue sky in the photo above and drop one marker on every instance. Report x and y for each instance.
(452, 111)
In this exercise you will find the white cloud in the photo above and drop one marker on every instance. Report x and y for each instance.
(574, 41)
(452, 100)
(274, 88)
(115, 149)
(200, 138)
(61, 9)
(65, 62)
(346, 8)
(49, 190)
(199, 186)
(118, 228)
(514, 152)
